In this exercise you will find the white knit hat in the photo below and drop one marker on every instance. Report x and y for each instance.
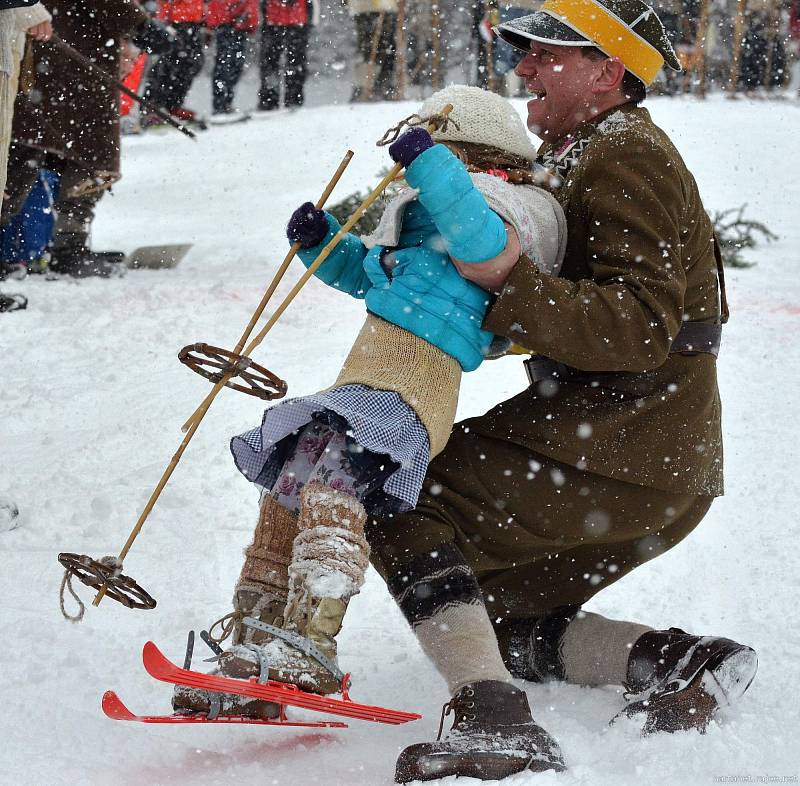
(482, 117)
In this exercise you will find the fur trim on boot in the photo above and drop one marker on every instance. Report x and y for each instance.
(329, 559)
(260, 593)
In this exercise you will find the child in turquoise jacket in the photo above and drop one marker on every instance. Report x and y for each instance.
(324, 461)
(418, 305)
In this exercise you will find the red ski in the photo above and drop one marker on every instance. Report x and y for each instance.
(116, 710)
(160, 667)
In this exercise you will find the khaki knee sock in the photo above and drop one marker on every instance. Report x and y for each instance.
(594, 649)
(440, 597)
(462, 645)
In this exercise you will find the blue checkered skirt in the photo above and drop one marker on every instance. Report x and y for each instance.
(378, 420)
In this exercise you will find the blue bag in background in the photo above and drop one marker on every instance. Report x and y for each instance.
(26, 237)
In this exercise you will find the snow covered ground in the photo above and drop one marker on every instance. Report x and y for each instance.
(92, 398)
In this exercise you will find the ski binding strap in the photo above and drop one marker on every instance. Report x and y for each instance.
(306, 646)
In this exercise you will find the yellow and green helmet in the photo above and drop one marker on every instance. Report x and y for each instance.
(627, 29)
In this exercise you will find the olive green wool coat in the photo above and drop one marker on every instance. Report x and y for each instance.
(641, 259)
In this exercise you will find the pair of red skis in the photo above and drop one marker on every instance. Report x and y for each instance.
(160, 667)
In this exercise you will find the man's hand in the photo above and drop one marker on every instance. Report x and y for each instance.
(41, 32)
(492, 274)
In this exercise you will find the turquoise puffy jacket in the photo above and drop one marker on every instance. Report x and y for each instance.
(422, 290)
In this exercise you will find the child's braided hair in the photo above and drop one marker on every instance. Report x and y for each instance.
(478, 157)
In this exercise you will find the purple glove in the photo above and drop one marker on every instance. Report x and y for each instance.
(307, 226)
(413, 142)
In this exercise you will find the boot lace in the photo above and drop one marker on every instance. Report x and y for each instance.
(459, 705)
(226, 625)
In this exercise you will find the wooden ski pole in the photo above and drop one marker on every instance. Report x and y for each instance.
(207, 402)
(264, 300)
(334, 241)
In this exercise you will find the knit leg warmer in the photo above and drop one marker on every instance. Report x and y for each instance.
(571, 645)
(267, 557)
(330, 554)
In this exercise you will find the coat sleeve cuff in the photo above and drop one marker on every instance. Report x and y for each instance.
(505, 316)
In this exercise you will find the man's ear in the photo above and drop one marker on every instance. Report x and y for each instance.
(610, 77)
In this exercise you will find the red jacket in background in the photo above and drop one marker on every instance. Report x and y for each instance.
(242, 15)
(285, 13)
(181, 11)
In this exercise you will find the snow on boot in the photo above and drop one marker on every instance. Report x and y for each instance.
(260, 593)
(493, 736)
(329, 559)
(677, 681)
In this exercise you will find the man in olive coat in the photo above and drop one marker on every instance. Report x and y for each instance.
(614, 452)
(68, 120)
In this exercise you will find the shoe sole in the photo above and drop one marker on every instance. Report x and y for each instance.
(484, 766)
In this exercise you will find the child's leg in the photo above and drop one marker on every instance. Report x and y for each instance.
(346, 466)
(329, 474)
(294, 474)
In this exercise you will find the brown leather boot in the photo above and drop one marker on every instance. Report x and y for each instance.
(260, 593)
(330, 556)
(493, 736)
(677, 681)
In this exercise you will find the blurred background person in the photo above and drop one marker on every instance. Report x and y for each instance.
(172, 74)
(285, 29)
(68, 122)
(763, 57)
(506, 57)
(375, 28)
(232, 21)
(17, 18)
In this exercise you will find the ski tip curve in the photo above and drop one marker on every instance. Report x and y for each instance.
(114, 708)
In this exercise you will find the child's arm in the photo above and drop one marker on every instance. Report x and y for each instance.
(343, 269)
(471, 230)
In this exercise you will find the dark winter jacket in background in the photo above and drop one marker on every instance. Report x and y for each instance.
(70, 111)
